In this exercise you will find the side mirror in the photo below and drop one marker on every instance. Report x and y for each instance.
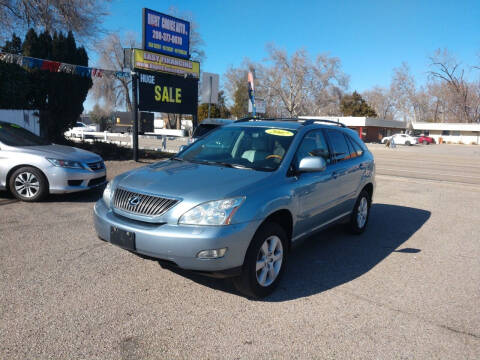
(312, 164)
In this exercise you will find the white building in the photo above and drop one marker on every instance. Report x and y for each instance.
(457, 133)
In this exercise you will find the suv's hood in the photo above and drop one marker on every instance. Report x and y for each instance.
(61, 152)
(196, 182)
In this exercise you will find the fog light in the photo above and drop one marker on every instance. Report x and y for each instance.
(212, 254)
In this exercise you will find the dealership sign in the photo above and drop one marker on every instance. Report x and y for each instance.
(167, 93)
(166, 34)
(147, 60)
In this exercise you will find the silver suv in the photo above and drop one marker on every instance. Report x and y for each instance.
(234, 202)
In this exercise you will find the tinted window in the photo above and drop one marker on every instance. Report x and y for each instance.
(14, 135)
(339, 145)
(357, 149)
(203, 129)
(79, 125)
(313, 144)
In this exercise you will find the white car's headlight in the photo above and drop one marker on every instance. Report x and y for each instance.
(107, 194)
(219, 212)
(66, 163)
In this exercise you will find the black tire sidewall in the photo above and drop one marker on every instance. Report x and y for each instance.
(250, 285)
(42, 192)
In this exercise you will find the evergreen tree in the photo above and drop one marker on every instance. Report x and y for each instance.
(59, 96)
(354, 105)
(240, 98)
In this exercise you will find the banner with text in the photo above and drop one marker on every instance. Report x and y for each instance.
(167, 93)
(165, 34)
(157, 62)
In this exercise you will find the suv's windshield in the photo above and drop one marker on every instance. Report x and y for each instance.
(203, 129)
(258, 148)
(14, 135)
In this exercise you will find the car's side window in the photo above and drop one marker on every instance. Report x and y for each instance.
(313, 144)
(339, 144)
(357, 149)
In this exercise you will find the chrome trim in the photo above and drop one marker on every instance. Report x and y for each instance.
(149, 205)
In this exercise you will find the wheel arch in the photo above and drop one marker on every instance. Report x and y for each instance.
(369, 189)
(284, 218)
(16, 167)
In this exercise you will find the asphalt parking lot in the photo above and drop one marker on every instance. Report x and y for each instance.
(408, 288)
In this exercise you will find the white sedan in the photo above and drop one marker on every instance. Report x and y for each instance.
(401, 139)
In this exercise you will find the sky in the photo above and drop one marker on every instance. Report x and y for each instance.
(371, 37)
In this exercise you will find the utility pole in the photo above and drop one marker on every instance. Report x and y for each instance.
(135, 115)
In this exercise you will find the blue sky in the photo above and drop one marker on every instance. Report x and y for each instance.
(371, 37)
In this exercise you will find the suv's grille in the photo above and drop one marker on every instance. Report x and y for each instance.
(141, 204)
(96, 166)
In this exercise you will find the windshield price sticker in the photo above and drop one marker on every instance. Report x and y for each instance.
(279, 132)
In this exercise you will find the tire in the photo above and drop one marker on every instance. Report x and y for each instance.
(425, 142)
(28, 184)
(361, 213)
(260, 283)
(408, 143)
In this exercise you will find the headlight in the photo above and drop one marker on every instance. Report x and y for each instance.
(218, 212)
(107, 194)
(66, 163)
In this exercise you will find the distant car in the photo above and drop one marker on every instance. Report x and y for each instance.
(80, 127)
(401, 139)
(206, 126)
(31, 168)
(425, 140)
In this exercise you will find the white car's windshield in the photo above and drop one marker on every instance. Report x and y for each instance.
(259, 148)
(14, 135)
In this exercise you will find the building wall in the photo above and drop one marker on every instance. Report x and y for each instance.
(463, 137)
(374, 133)
(27, 119)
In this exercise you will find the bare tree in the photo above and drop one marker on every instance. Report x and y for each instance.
(461, 96)
(382, 101)
(114, 92)
(82, 17)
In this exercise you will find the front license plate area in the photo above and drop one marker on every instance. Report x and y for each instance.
(122, 238)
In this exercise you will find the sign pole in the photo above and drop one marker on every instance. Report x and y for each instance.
(210, 99)
(135, 115)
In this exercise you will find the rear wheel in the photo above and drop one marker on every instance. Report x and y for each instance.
(425, 142)
(408, 143)
(28, 184)
(264, 262)
(361, 213)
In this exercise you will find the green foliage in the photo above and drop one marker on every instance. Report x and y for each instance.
(240, 99)
(58, 96)
(354, 105)
(216, 111)
(101, 117)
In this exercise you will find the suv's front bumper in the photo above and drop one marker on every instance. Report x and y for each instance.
(180, 244)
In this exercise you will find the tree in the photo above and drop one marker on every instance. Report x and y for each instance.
(354, 105)
(101, 117)
(203, 112)
(381, 101)
(114, 92)
(59, 96)
(82, 17)
(460, 98)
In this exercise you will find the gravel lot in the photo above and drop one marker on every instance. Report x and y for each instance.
(409, 287)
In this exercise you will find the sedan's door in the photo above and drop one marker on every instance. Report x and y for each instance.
(314, 193)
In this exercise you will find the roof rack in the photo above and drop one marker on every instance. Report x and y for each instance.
(314, 121)
(304, 122)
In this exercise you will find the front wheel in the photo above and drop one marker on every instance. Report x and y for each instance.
(425, 142)
(264, 262)
(28, 184)
(408, 143)
(361, 213)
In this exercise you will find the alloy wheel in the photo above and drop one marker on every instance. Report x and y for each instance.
(362, 212)
(269, 261)
(27, 184)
